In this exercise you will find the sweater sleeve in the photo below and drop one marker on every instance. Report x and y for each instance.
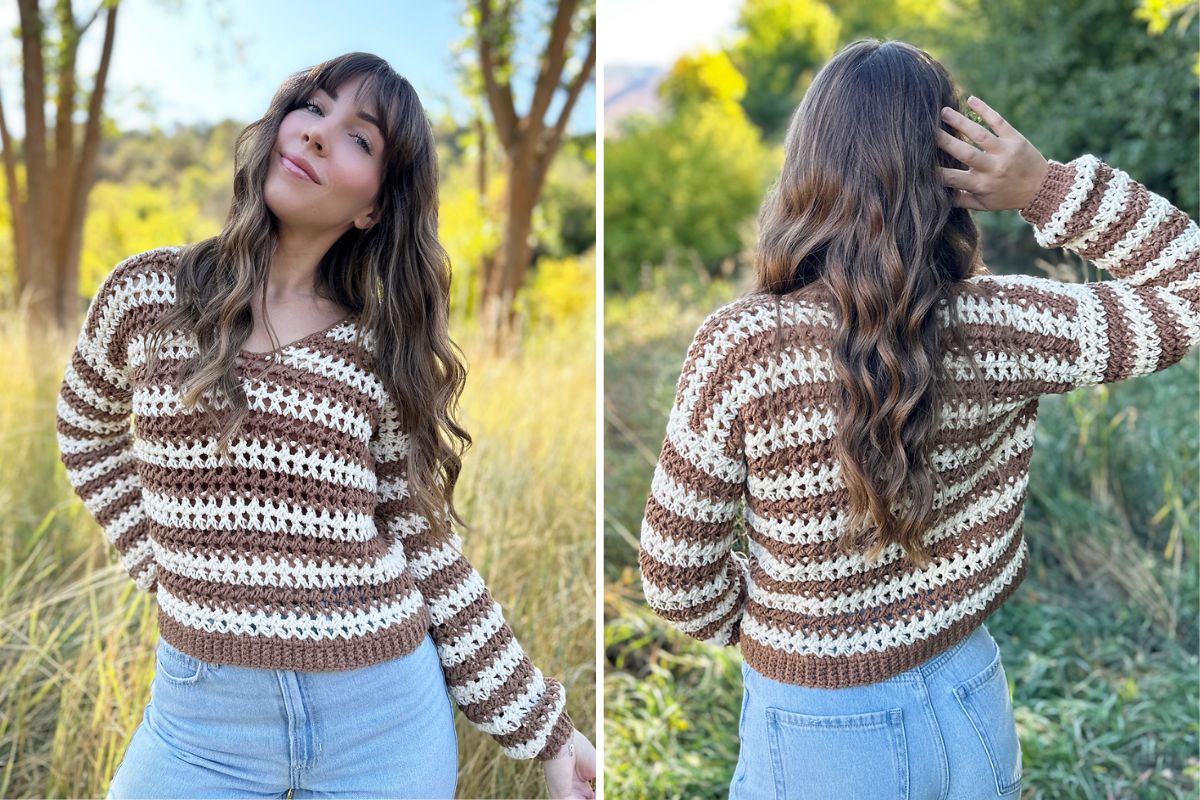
(691, 575)
(94, 434)
(1060, 336)
(492, 680)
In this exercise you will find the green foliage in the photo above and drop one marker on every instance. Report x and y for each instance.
(564, 220)
(781, 45)
(680, 189)
(705, 77)
(671, 707)
(194, 159)
(560, 293)
(1084, 77)
(127, 219)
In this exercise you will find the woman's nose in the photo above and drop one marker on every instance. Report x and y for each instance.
(314, 135)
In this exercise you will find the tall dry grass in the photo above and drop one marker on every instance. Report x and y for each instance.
(76, 638)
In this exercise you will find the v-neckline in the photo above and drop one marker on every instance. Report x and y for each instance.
(301, 340)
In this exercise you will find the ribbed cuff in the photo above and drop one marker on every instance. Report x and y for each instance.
(559, 735)
(1058, 181)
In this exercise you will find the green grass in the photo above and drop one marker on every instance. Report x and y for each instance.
(76, 644)
(1100, 642)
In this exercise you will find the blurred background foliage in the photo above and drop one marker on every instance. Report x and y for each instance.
(1101, 641)
(1116, 78)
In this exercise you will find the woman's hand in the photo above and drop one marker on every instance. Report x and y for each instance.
(572, 774)
(1005, 173)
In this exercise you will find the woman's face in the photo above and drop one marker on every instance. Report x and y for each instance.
(326, 165)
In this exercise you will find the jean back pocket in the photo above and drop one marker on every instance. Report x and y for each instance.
(823, 757)
(986, 701)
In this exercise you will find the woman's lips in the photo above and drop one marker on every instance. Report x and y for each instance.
(295, 169)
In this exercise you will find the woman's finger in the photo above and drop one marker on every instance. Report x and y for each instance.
(974, 131)
(957, 178)
(963, 151)
(964, 199)
(997, 123)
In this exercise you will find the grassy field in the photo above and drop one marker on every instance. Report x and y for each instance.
(1099, 643)
(76, 645)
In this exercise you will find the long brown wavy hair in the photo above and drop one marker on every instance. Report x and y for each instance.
(394, 275)
(860, 221)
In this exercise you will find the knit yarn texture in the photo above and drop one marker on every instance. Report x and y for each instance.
(305, 552)
(750, 436)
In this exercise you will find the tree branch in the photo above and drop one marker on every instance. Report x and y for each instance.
(499, 93)
(553, 60)
(85, 168)
(64, 124)
(554, 136)
(95, 13)
(15, 203)
(35, 117)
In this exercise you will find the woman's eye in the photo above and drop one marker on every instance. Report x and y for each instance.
(362, 142)
(312, 105)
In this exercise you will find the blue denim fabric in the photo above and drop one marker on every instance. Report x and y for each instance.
(944, 730)
(217, 730)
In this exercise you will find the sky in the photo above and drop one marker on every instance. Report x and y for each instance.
(657, 32)
(208, 60)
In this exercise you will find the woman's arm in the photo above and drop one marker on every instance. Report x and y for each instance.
(487, 672)
(93, 426)
(1058, 336)
(691, 576)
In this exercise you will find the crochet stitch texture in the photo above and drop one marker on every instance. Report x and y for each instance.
(751, 432)
(304, 553)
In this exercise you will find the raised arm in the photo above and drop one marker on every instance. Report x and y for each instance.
(691, 576)
(1056, 335)
(93, 427)
(487, 672)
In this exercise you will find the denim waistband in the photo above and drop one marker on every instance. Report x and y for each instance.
(936, 662)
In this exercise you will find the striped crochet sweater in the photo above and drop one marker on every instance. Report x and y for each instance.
(305, 553)
(804, 615)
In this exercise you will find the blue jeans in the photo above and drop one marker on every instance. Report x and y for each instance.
(944, 730)
(218, 730)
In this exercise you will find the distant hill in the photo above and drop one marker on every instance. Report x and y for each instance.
(628, 89)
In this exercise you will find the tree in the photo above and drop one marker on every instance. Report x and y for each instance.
(702, 77)
(680, 190)
(529, 141)
(59, 164)
(780, 46)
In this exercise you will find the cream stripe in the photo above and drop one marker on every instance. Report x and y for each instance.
(538, 743)
(265, 516)
(874, 641)
(332, 625)
(229, 567)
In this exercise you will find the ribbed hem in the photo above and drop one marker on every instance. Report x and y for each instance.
(841, 673)
(328, 655)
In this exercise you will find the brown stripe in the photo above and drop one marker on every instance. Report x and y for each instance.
(682, 529)
(820, 551)
(688, 475)
(889, 614)
(862, 669)
(270, 652)
(1050, 195)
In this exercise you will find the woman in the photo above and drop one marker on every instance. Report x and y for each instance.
(874, 399)
(287, 493)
